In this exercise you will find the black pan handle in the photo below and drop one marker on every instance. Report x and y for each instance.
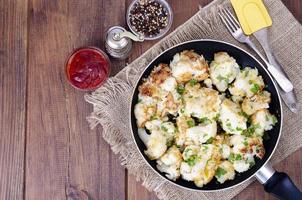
(278, 183)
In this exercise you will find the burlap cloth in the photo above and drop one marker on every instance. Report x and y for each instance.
(111, 102)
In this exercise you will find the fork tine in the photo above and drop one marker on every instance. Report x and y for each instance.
(226, 22)
(230, 19)
(234, 18)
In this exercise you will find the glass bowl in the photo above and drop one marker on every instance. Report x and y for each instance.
(162, 31)
(84, 60)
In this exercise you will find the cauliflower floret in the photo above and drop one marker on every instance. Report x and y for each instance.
(241, 165)
(201, 102)
(189, 65)
(143, 113)
(262, 121)
(169, 84)
(201, 133)
(257, 102)
(156, 143)
(183, 123)
(223, 70)
(231, 118)
(200, 163)
(226, 151)
(223, 142)
(247, 145)
(237, 99)
(208, 83)
(160, 74)
(224, 172)
(169, 104)
(153, 124)
(170, 162)
(247, 83)
(167, 129)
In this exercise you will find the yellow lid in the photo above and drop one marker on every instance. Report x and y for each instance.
(252, 15)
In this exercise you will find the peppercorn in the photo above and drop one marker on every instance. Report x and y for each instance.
(148, 17)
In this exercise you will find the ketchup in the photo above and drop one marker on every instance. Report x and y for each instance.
(87, 68)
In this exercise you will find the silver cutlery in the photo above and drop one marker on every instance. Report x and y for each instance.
(285, 85)
(262, 38)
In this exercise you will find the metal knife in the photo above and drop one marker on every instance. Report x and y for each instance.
(289, 98)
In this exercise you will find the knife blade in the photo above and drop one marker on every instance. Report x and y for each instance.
(289, 98)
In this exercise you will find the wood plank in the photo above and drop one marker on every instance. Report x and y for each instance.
(295, 7)
(65, 159)
(13, 58)
(92, 166)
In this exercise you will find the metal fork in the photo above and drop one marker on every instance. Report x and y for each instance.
(234, 27)
(289, 98)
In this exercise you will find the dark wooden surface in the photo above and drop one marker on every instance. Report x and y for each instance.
(47, 150)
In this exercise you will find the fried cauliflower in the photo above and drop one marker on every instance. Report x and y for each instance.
(225, 171)
(231, 119)
(247, 83)
(257, 102)
(223, 70)
(201, 123)
(263, 121)
(201, 102)
(170, 162)
(189, 65)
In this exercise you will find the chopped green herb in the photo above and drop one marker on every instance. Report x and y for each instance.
(246, 72)
(139, 101)
(243, 114)
(231, 157)
(251, 130)
(192, 160)
(191, 96)
(255, 88)
(153, 117)
(205, 148)
(216, 118)
(164, 128)
(210, 140)
(229, 125)
(180, 89)
(190, 123)
(169, 143)
(252, 163)
(221, 78)
(220, 172)
(239, 129)
(193, 82)
(182, 110)
(187, 150)
(274, 119)
(234, 157)
(238, 157)
(266, 118)
(205, 120)
(246, 143)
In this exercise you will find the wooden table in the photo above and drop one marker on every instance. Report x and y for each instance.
(47, 150)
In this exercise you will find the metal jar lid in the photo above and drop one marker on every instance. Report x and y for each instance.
(114, 43)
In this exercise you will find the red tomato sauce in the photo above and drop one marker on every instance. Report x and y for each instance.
(87, 68)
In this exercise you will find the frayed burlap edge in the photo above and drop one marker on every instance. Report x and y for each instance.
(121, 86)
